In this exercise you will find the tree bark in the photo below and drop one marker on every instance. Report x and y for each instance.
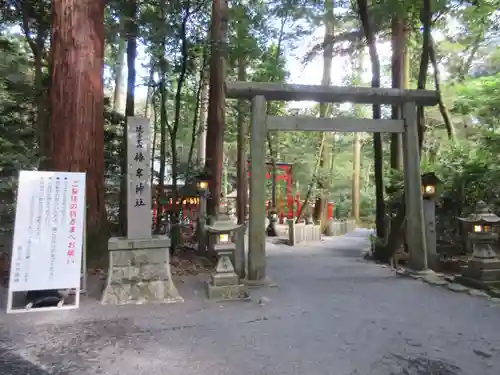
(77, 107)
(466, 65)
(356, 160)
(450, 128)
(426, 19)
(202, 128)
(119, 75)
(37, 41)
(272, 139)
(320, 204)
(302, 209)
(241, 172)
(198, 125)
(398, 51)
(397, 234)
(356, 176)
(216, 106)
(377, 138)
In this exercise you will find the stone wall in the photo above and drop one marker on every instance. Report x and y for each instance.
(340, 227)
(139, 272)
(301, 232)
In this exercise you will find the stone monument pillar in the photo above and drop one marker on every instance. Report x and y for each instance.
(430, 233)
(139, 264)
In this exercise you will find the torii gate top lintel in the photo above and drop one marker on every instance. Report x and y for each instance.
(329, 94)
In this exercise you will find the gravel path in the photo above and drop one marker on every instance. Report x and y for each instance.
(331, 314)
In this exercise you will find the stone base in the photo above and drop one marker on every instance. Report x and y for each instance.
(259, 283)
(300, 232)
(139, 272)
(227, 292)
(478, 284)
(225, 279)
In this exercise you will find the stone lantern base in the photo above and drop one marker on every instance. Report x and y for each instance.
(483, 270)
(225, 283)
(482, 273)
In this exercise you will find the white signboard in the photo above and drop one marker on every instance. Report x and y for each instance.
(139, 217)
(48, 232)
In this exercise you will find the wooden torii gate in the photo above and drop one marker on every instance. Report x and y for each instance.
(260, 93)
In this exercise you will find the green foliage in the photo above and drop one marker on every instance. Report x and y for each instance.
(174, 50)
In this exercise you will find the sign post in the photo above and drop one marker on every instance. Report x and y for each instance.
(138, 255)
(48, 235)
(139, 216)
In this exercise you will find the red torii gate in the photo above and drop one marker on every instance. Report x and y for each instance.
(283, 173)
(293, 202)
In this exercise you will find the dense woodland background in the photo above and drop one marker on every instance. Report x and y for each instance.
(166, 60)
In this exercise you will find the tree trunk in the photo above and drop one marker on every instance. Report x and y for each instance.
(202, 126)
(398, 52)
(356, 176)
(396, 235)
(149, 95)
(426, 19)
(356, 162)
(131, 35)
(173, 129)
(216, 106)
(241, 172)
(153, 150)
(313, 180)
(198, 127)
(29, 11)
(77, 107)
(466, 65)
(320, 205)
(119, 74)
(163, 138)
(273, 138)
(377, 138)
(450, 128)
(41, 100)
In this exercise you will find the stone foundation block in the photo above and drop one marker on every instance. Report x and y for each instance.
(227, 292)
(301, 232)
(139, 272)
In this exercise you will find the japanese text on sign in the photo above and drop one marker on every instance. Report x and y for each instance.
(139, 172)
(48, 232)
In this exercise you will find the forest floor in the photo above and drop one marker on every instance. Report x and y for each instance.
(332, 313)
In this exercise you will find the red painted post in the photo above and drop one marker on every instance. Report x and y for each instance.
(330, 210)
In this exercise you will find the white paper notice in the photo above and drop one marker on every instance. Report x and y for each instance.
(48, 232)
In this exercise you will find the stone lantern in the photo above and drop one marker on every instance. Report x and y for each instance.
(483, 270)
(429, 184)
(225, 280)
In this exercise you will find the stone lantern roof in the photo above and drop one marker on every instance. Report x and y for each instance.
(481, 215)
(223, 225)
